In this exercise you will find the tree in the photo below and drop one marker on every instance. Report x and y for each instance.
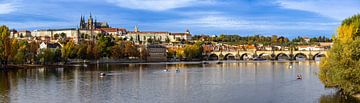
(117, 52)
(56, 36)
(104, 45)
(274, 40)
(20, 55)
(341, 67)
(81, 52)
(31, 52)
(131, 50)
(143, 53)
(5, 45)
(67, 50)
(63, 35)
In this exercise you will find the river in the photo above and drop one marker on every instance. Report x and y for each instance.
(227, 82)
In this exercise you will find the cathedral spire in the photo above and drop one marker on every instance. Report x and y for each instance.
(136, 29)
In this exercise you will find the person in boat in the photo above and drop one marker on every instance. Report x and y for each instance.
(299, 76)
(177, 70)
(102, 74)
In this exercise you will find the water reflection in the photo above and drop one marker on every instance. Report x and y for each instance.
(4, 87)
(337, 98)
(231, 81)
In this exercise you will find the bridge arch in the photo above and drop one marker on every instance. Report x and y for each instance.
(318, 55)
(298, 55)
(229, 56)
(281, 55)
(213, 57)
(265, 56)
(245, 56)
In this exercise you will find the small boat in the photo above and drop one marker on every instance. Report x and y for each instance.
(166, 70)
(299, 77)
(177, 70)
(290, 66)
(102, 74)
(219, 63)
(205, 62)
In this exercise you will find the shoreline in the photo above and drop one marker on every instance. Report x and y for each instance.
(84, 64)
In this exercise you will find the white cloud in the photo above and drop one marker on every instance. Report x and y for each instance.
(6, 8)
(158, 5)
(224, 22)
(336, 9)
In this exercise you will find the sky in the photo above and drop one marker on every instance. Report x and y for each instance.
(290, 18)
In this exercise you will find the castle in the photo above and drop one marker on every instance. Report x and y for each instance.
(87, 30)
(91, 24)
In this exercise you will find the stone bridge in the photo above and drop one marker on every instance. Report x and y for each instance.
(270, 55)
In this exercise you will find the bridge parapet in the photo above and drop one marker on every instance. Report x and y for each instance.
(274, 54)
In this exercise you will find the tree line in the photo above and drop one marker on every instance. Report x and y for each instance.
(258, 39)
(13, 51)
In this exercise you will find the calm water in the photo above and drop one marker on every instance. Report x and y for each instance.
(230, 82)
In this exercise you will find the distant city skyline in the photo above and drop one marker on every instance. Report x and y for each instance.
(290, 18)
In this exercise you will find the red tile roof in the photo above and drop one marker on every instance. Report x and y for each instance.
(111, 29)
(148, 32)
(180, 34)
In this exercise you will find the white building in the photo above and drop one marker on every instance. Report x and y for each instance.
(309, 48)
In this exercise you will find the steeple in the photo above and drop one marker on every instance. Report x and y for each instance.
(136, 29)
(95, 23)
(187, 31)
(82, 22)
(90, 16)
(90, 23)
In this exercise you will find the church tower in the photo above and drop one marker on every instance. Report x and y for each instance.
(82, 22)
(136, 29)
(90, 24)
(187, 31)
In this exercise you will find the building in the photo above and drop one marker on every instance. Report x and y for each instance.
(144, 36)
(92, 23)
(309, 48)
(115, 32)
(181, 36)
(51, 35)
(44, 45)
(156, 53)
(140, 36)
(23, 34)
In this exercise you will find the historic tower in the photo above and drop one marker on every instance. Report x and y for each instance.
(91, 23)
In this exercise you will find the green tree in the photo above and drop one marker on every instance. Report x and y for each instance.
(31, 52)
(81, 52)
(104, 45)
(67, 50)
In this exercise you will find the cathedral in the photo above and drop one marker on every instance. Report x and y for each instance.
(91, 24)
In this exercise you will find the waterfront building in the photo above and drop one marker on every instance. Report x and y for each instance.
(162, 36)
(156, 53)
(145, 36)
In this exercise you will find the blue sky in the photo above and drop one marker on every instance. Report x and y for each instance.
(289, 18)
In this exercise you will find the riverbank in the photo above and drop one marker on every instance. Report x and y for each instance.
(82, 63)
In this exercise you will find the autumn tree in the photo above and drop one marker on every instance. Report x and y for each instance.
(67, 50)
(5, 45)
(341, 67)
